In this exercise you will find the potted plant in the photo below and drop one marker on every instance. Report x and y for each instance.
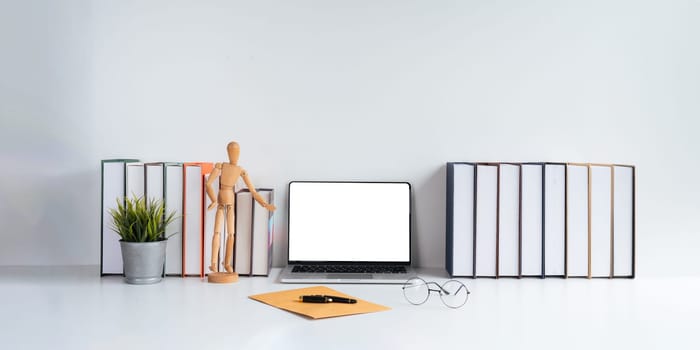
(141, 225)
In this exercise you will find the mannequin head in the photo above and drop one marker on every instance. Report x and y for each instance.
(233, 152)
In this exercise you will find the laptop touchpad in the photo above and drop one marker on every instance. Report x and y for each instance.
(359, 276)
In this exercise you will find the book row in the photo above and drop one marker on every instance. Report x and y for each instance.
(181, 187)
(540, 220)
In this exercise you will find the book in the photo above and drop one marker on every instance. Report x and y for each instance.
(135, 180)
(601, 216)
(193, 217)
(209, 222)
(577, 220)
(263, 230)
(153, 187)
(532, 220)
(154, 181)
(555, 219)
(460, 223)
(113, 189)
(486, 232)
(244, 232)
(254, 229)
(173, 191)
(624, 221)
(163, 182)
(508, 233)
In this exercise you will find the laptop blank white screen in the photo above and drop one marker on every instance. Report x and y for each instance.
(349, 221)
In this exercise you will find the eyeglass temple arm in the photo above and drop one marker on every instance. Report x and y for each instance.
(437, 290)
(465, 287)
(445, 291)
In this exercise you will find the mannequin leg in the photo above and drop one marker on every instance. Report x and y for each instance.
(216, 241)
(230, 236)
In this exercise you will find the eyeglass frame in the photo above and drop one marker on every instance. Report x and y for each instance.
(440, 291)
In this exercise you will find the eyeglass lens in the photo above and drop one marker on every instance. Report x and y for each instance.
(454, 294)
(416, 291)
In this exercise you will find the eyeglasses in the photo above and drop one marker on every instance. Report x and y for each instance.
(453, 293)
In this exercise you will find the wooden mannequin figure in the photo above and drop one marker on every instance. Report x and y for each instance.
(225, 203)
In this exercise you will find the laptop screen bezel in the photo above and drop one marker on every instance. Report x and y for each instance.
(319, 262)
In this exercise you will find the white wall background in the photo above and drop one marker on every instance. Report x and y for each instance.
(360, 90)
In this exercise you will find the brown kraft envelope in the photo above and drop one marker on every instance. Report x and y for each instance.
(289, 300)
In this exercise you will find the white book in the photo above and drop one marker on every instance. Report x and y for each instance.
(263, 226)
(163, 182)
(623, 234)
(486, 222)
(531, 220)
(601, 220)
(113, 190)
(193, 220)
(209, 221)
(509, 221)
(173, 203)
(135, 180)
(244, 229)
(554, 219)
(154, 184)
(577, 220)
(462, 218)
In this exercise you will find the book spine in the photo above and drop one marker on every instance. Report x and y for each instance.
(449, 218)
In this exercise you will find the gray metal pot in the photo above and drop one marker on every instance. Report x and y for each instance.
(143, 262)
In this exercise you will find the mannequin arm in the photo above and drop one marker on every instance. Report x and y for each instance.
(210, 190)
(258, 198)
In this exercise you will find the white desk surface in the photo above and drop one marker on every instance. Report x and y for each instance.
(73, 308)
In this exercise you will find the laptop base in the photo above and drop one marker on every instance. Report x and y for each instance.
(287, 276)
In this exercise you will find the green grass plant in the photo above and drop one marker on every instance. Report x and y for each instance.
(138, 219)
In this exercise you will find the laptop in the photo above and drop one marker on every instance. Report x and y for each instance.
(348, 232)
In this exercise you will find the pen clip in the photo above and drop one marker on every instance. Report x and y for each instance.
(334, 299)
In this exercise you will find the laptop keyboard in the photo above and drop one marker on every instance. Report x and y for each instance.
(349, 269)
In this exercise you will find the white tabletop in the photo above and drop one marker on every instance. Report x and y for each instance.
(73, 308)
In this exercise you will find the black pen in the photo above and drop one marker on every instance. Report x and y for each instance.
(326, 299)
